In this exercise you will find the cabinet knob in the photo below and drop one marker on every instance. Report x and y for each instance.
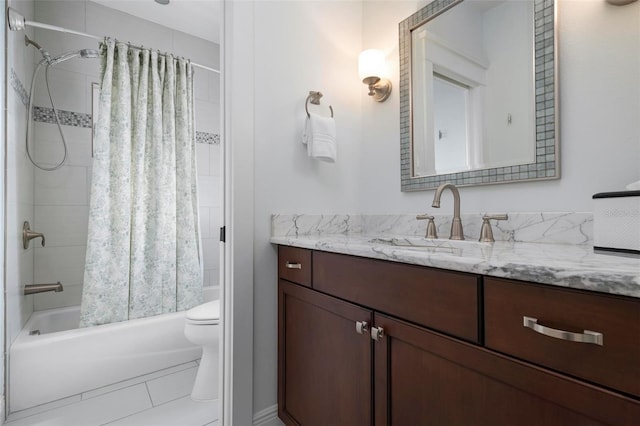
(290, 265)
(377, 333)
(362, 327)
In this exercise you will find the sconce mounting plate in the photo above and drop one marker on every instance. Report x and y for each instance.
(381, 90)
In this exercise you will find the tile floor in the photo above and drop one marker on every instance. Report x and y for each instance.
(156, 399)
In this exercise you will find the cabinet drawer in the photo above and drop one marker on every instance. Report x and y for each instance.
(294, 264)
(441, 300)
(615, 363)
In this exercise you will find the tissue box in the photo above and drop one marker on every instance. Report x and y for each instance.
(616, 221)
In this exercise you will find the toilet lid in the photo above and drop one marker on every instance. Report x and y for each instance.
(209, 312)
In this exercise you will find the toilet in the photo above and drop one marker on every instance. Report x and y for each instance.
(201, 328)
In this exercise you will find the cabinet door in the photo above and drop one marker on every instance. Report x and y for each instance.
(325, 366)
(425, 378)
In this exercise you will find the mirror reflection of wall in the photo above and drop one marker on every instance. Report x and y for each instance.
(473, 88)
(450, 105)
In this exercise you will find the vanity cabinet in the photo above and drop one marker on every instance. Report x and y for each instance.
(372, 342)
(324, 365)
(614, 362)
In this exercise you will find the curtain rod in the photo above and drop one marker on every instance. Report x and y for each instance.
(17, 22)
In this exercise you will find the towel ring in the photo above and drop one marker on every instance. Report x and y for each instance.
(314, 98)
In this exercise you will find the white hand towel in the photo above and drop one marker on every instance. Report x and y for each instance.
(321, 138)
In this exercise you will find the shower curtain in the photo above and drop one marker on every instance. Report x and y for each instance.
(143, 248)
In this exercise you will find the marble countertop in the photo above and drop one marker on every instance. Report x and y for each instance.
(564, 265)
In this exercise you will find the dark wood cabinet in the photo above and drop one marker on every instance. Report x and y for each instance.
(419, 368)
(324, 364)
(614, 364)
(425, 378)
(446, 301)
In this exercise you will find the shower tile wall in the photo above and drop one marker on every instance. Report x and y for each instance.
(19, 178)
(61, 199)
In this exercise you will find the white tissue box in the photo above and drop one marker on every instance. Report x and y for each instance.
(616, 221)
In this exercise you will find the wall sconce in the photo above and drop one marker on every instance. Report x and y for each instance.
(371, 65)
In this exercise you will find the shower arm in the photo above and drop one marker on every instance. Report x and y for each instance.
(17, 22)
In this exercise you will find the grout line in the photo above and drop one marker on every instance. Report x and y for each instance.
(152, 408)
(43, 411)
(183, 365)
(146, 385)
(81, 399)
(172, 400)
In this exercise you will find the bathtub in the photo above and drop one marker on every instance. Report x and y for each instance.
(64, 360)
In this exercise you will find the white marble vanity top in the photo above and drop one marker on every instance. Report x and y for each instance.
(565, 265)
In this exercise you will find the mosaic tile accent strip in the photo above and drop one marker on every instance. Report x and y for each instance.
(18, 87)
(79, 119)
(207, 138)
(67, 118)
(547, 164)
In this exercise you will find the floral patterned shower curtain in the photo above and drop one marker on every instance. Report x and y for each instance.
(143, 249)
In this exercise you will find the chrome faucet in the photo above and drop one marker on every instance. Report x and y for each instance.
(42, 288)
(456, 225)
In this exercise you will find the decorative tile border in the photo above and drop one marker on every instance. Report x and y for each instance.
(207, 138)
(18, 87)
(79, 119)
(546, 165)
(67, 118)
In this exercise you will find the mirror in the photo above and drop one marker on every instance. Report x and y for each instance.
(478, 93)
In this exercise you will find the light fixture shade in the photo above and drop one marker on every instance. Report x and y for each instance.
(371, 63)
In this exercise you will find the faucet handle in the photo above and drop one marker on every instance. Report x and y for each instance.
(486, 233)
(431, 226)
(28, 235)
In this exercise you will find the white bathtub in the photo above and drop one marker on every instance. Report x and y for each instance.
(65, 360)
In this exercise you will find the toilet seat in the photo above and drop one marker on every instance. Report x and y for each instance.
(205, 314)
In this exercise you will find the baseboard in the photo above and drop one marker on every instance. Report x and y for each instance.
(267, 417)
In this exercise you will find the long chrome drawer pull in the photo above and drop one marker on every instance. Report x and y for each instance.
(290, 265)
(587, 336)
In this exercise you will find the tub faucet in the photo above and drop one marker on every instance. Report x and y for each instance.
(456, 225)
(42, 288)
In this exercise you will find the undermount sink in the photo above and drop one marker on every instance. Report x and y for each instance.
(454, 247)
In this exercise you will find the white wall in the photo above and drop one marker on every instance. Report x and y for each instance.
(599, 108)
(62, 196)
(511, 80)
(301, 46)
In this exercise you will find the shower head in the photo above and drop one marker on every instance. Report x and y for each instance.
(45, 55)
(83, 53)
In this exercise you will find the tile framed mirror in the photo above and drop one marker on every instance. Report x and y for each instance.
(478, 93)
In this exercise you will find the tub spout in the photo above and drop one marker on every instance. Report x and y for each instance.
(42, 288)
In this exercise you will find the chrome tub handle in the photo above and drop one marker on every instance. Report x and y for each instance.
(587, 336)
